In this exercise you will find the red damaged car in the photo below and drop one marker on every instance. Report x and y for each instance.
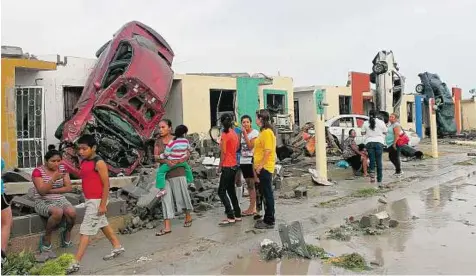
(123, 99)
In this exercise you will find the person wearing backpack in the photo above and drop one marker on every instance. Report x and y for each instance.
(395, 139)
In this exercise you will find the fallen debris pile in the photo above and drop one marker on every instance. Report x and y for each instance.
(374, 224)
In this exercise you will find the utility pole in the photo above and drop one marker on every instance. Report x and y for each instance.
(320, 134)
(433, 129)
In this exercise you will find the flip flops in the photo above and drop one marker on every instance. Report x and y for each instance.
(227, 222)
(162, 233)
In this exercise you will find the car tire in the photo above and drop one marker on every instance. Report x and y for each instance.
(419, 88)
(380, 67)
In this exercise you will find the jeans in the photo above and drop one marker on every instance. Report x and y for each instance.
(394, 156)
(266, 191)
(375, 151)
(227, 186)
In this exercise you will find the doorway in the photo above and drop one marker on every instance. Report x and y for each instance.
(71, 98)
(221, 101)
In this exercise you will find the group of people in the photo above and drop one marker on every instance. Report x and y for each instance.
(245, 152)
(367, 158)
(249, 153)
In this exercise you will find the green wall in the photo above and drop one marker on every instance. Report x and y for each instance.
(247, 97)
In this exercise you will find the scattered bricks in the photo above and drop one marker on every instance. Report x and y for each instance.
(206, 196)
(115, 207)
(365, 222)
(149, 200)
(288, 195)
(393, 223)
(195, 201)
(210, 173)
(75, 199)
(199, 185)
(381, 218)
(300, 192)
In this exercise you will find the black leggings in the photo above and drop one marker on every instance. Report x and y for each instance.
(394, 156)
(227, 186)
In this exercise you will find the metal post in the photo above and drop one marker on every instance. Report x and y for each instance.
(433, 130)
(419, 115)
(320, 136)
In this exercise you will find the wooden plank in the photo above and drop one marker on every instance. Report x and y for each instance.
(21, 188)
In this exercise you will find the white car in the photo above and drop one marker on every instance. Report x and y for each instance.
(344, 123)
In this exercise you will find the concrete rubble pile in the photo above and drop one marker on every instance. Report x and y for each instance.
(374, 224)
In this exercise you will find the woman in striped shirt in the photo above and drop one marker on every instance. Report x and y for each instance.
(51, 181)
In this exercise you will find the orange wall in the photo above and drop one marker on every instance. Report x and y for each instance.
(360, 83)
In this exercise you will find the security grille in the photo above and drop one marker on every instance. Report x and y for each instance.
(30, 126)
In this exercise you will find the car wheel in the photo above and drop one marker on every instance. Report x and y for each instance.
(380, 67)
(373, 77)
(419, 88)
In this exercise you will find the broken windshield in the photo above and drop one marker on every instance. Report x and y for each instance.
(112, 121)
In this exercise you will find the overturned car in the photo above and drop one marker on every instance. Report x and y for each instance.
(123, 99)
(431, 86)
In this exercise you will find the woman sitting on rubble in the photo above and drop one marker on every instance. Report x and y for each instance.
(355, 155)
(51, 181)
(176, 186)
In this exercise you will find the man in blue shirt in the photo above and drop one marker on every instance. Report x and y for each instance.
(7, 219)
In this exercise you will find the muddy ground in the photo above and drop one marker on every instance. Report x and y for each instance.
(435, 204)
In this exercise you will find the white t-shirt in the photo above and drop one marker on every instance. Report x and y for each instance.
(247, 153)
(376, 135)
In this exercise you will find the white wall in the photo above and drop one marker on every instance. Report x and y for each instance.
(173, 108)
(306, 106)
(74, 73)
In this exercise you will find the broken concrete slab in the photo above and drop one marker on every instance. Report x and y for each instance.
(300, 192)
(206, 196)
(75, 199)
(150, 199)
(292, 238)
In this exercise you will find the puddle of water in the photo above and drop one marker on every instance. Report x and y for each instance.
(253, 265)
(436, 235)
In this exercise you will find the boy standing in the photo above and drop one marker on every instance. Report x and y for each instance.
(95, 182)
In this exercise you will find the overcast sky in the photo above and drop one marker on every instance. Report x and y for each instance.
(315, 42)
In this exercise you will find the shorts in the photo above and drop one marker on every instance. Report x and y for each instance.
(42, 206)
(5, 203)
(92, 222)
(247, 170)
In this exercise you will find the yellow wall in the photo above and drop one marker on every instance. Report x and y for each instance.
(468, 117)
(196, 97)
(8, 113)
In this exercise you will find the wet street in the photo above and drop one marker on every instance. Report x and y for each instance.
(436, 235)
(434, 203)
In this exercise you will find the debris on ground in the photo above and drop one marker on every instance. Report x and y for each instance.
(365, 192)
(18, 263)
(354, 262)
(57, 266)
(374, 224)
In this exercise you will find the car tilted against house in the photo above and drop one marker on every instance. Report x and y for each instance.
(123, 99)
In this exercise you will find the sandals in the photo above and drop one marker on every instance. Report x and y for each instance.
(227, 222)
(247, 214)
(162, 233)
(188, 223)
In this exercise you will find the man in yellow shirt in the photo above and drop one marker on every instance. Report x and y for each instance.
(264, 157)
